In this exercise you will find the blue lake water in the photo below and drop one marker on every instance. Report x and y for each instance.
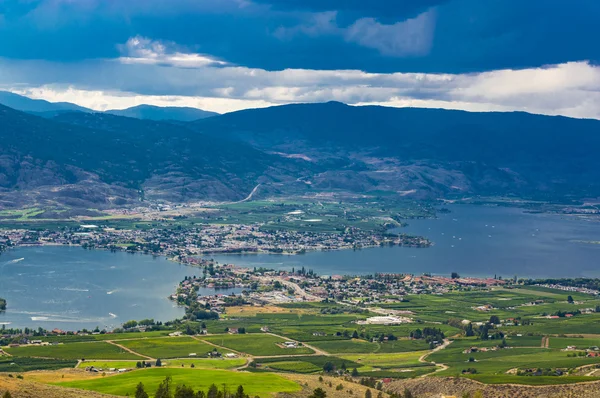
(72, 288)
(471, 240)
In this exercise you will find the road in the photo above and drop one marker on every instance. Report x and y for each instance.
(249, 197)
(442, 366)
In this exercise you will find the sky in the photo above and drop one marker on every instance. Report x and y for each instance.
(539, 56)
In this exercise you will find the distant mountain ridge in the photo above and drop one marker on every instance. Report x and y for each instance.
(93, 160)
(503, 152)
(26, 104)
(149, 112)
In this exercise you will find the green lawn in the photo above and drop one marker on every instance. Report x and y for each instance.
(98, 350)
(256, 344)
(169, 347)
(255, 384)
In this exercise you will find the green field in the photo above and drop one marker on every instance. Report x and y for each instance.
(74, 338)
(170, 347)
(388, 361)
(171, 363)
(356, 346)
(22, 364)
(294, 366)
(255, 384)
(99, 350)
(256, 344)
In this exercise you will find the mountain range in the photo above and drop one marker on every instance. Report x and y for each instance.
(150, 112)
(99, 160)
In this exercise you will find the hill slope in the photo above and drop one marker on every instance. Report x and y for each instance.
(501, 152)
(38, 106)
(95, 160)
(151, 112)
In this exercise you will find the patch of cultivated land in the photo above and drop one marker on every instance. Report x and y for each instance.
(97, 350)
(255, 384)
(356, 346)
(199, 363)
(169, 347)
(257, 344)
(387, 361)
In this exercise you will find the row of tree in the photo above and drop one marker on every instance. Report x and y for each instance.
(167, 390)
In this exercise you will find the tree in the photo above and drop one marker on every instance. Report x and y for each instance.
(140, 392)
(318, 393)
(164, 389)
(213, 391)
(570, 299)
(130, 324)
(355, 335)
(354, 372)
(408, 394)
(184, 392)
(240, 393)
(7, 395)
(455, 275)
(328, 367)
(368, 394)
(495, 320)
(158, 363)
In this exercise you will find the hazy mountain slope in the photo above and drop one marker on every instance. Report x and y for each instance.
(163, 113)
(105, 159)
(26, 104)
(497, 150)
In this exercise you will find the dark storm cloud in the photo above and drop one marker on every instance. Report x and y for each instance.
(453, 36)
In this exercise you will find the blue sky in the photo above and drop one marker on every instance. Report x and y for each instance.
(533, 55)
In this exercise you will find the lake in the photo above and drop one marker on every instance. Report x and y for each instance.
(471, 240)
(71, 288)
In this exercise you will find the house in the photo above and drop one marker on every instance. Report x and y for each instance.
(290, 344)
(234, 331)
(265, 329)
(230, 355)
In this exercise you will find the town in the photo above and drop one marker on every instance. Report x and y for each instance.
(183, 244)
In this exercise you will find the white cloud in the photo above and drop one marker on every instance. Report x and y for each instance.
(412, 37)
(105, 100)
(409, 38)
(162, 74)
(141, 50)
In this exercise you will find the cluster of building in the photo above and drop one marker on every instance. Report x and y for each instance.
(266, 287)
(183, 244)
(571, 289)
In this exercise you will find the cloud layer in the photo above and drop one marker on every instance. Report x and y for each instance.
(538, 56)
(166, 74)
